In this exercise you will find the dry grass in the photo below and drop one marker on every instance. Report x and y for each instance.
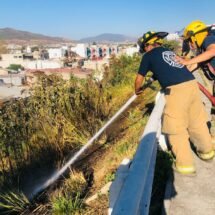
(61, 116)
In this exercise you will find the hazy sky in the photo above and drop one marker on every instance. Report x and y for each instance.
(76, 19)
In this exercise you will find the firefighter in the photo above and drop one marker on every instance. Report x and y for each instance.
(184, 115)
(201, 38)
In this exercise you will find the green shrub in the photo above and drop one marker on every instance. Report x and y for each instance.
(123, 69)
(67, 205)
(109, 177)
(69, 199)
(15, 67)
(172, 45)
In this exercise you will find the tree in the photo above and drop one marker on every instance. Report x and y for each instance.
(15, 67)
(173, 45)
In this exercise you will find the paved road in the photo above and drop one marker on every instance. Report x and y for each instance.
(193, 195)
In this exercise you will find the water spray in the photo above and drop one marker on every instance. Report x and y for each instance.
(57, 174)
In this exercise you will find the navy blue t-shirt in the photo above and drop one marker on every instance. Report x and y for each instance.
(208, 41)
(161, 62)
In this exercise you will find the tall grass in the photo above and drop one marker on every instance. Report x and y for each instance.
(60, 116)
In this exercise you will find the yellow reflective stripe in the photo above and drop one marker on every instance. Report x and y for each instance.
(207, 156)
(185, 169)
(151, 41)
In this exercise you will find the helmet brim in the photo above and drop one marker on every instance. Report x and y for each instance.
(160, 35)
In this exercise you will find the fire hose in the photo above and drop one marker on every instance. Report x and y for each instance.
(207, 94)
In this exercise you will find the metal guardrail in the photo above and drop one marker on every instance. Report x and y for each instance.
(134, 197)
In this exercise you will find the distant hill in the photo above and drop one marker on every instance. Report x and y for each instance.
(17, 36)
(108, 38)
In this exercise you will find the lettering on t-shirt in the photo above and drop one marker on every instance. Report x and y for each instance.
(169, 57)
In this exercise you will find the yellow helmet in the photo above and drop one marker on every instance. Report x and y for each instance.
(196, 31)
(151, 37)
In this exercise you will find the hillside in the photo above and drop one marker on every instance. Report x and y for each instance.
(108, 38)
(17, 36)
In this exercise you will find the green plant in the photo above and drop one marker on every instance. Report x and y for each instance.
(66, 205)
(109, 177)
(122, 148)
(13, 202)
(172, 45)
(60, 116)
(76, 183)
(15, 67)
(69, 198)
(123, 69)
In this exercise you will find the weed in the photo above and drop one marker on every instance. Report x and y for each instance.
(66, 205)
(109, 177)
(60, 116)
(13, 202)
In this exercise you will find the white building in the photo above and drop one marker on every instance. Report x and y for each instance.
(28, 49)
(95, 51)
(43, 64)
(213, 26)
(173, 36)
(7, 59)
(130, 51)
(56, 53)
(13, 79)
(80, 49)
(14, 49)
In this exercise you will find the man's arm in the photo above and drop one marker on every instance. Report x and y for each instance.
(138, 84)
(208, 54)
(192, 67)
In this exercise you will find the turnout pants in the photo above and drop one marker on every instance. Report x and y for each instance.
(185, 118)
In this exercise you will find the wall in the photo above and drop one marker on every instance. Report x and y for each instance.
(80, 49)
(130, 51)
(16, 80)
(8, 59)
(55, 53)
(43, 64)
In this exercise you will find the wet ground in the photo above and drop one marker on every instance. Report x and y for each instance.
(32, 179)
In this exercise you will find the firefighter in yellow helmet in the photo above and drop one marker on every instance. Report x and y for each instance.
(184, 115)
(201, 38)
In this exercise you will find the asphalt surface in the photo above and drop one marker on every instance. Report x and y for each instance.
(192, 195)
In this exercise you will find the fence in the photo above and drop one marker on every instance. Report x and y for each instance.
(135, 194)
